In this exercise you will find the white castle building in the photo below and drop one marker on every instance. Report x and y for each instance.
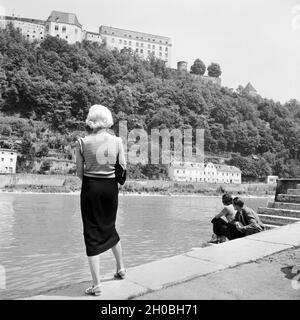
(66, 26)
(200, 172)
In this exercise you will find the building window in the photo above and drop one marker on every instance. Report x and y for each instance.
(149, 46)
(153, 52)
(141, 50)
(142, 45)
(160, 48)
(125, 42)
(137, 44)
(41, 32)
(166, 55)
(149, 51)
(137, 50)
(66, 37)
(113, 40)
(120, 41)
(56, 28)
(76, 31)
(57, 35)
(64, 29)
(11, 160)
(42, 38)
(130, 43)
(153, 46)
(166, 49)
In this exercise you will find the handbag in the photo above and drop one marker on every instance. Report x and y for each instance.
(120, 173)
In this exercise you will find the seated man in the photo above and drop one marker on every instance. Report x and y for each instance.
(220, 226)
(246, 221)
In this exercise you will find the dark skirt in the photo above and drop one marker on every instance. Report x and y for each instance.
(99, 204)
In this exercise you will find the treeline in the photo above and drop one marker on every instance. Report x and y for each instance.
(55, 83)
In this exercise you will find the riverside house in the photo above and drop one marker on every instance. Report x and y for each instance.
(8, 161)
(204, 172)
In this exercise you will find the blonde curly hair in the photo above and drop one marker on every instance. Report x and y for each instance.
(99, 117)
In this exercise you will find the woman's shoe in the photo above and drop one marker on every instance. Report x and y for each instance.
(94, 290)
(214, 239)
(222, 239)
(120, 274)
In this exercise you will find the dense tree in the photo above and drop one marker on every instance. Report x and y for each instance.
(47, 88)
(198, 67)
(214, 70)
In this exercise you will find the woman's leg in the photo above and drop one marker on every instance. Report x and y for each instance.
(94, 267)
(220, 227)
(117, 251)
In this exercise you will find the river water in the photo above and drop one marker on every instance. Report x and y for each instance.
(41, 242)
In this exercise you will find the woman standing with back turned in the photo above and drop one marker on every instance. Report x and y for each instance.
(96, 155)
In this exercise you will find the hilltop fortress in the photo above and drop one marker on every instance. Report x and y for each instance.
(66, 26)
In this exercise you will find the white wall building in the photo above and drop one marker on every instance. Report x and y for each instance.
(92, 36)
(8, 161)
(200, 172)
(32, 29)
(143, 44)
(65, 26)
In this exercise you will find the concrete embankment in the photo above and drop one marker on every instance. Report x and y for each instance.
(237, 269)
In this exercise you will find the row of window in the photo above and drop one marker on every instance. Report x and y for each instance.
(63, 29)
(210, 173)
(208, 180)
(34, 36)
(10, 153)
(149, 52)
(11, 160)
(138, 44)
(142, 38)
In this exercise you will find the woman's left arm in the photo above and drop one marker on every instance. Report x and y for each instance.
(79, 161)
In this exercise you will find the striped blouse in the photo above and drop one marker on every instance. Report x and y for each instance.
(100, 152)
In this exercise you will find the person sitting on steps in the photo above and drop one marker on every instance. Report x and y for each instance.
(246, 221)
(220, 226)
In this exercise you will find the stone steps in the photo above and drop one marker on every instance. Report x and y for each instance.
(277, 220)
(293, 192)
(279, 212)
(288, 198)
(284, 205)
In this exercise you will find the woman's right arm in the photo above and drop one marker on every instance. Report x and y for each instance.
(222, 213)
(79, 161)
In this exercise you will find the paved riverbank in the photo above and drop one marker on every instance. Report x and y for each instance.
(261, 266)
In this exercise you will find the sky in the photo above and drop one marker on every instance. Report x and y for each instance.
(255, 41)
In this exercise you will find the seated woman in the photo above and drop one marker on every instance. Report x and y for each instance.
(220, 226)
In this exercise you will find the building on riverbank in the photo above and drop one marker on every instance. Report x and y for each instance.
(204, 172)
(8, 161)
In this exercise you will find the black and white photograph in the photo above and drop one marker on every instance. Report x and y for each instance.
(149, 151)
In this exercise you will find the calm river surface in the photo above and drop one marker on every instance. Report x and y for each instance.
(41, 242)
